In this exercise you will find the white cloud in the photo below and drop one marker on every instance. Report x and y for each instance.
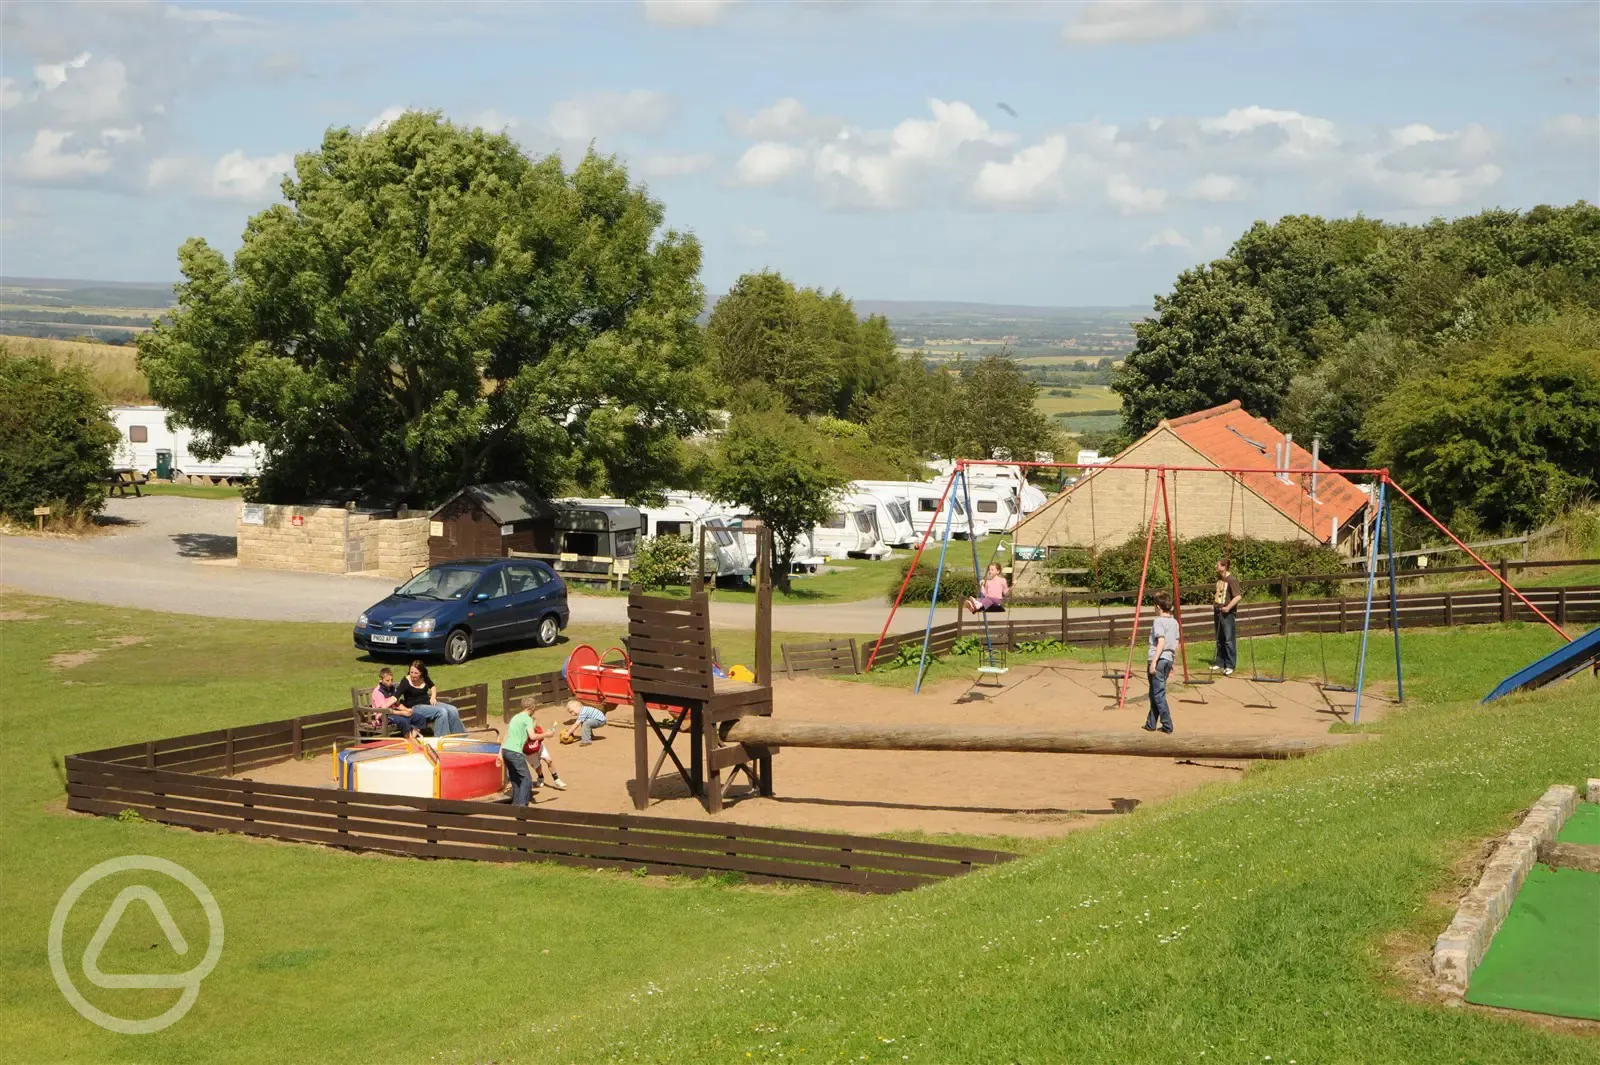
(749, 236)
(1166, 238)
(685, 12)
(1130, 199)
(1575, 128)
(236, 176)
(1031, 176)
(201, 14)
(10, 94)
(1303, 136)
(768, 163)
(47, 160)
(52, 76)
(786, 120)
(1140, 21)
(669, 165)
(1216, 188)
(491, 121)
(603, 114)
(383, 118)
(122, 136)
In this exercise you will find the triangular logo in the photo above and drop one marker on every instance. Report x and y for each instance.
(108, 925)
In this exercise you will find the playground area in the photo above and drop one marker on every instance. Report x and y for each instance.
(984, 793)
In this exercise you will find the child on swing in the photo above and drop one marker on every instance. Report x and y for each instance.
(993, 591)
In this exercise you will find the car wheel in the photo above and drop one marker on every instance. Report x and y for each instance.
(457, 646)
(549, 629)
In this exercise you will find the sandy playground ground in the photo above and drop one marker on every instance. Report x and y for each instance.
(981, 793)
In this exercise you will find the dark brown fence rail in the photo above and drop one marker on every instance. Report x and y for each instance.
(1580, 604)
(825, 656)
(186, 781)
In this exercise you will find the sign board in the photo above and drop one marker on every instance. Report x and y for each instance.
(253, 514)
(41, 512)
(297, 520)
(1028, 554)
(435, 528)
(506, 530)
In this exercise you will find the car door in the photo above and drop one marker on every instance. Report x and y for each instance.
(491, 613)
(525, 588)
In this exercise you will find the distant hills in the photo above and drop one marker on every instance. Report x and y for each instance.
(68, 292)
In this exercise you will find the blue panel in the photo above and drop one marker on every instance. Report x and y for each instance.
(1562, 662)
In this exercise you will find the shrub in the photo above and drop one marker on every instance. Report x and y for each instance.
(1118, 567)
(663, 560)
(56, 439)
(955, 585)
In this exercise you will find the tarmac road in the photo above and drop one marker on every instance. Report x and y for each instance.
(178, 555)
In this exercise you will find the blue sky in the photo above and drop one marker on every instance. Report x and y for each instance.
(853, 145)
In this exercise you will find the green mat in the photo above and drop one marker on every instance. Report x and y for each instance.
(1546, 957)
(1583, 826)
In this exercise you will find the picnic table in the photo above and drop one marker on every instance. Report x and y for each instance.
(120, 480)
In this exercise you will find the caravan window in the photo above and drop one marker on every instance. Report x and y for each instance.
(928, 504)
(988, 506)
(719, 533)
(138, 434)
(581, 543)
(898, 510)
(864, 522)
(672, 528)
(835, 520)
(626, 541)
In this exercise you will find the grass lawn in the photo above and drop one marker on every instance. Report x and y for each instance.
(1084, 398)
(1249, 919)
(193, 491)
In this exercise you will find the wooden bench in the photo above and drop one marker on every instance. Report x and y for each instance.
(120, 481)
(368, 724)
(827, 656)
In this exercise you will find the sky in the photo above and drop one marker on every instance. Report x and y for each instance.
(1059, 154)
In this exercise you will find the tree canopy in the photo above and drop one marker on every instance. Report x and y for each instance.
(980, 409)
(56, 439)
(432, 308)
(811, 350)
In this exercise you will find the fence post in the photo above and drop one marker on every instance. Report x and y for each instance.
(1283, 606)
(227, 750)
(150, 754)
(1344, 622)
(1064, 618)
(1561, 605)
(299, 745)
(1505, 592)
(1449, 610)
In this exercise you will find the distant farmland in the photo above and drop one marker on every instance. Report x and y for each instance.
(111, 365)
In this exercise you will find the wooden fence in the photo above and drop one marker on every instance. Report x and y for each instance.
(1579, 604)
(825, 656)
(187, 781)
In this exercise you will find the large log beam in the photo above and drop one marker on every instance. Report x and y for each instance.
(780, 732)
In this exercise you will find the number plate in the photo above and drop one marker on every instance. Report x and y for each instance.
(384, 639)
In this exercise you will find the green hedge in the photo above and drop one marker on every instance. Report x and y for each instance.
(1118, 567)
(956, 584)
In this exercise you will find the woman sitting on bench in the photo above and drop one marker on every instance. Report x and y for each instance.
(993, 593)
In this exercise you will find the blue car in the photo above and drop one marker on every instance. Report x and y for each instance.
(454, 608)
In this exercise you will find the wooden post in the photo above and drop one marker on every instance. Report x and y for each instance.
(1064, 618)
(1449, 610)
(1283, 606)
(227, 751)
(41, 513)
(1561, 605)
(150, 754)
(697, 750)
(764, 551)
(641, 753)
(298, 750)
(1505, 592)
(1344, 620)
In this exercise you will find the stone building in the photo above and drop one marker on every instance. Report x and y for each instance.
(1110, 504)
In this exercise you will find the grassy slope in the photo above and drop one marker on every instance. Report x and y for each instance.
(1085, 398)
(111, 365)
(1287, 883)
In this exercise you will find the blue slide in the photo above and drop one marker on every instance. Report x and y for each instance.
(1559, 664)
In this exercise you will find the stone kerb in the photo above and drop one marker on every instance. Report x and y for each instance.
(1457, 952)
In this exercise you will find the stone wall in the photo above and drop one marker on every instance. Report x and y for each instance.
(330, 540)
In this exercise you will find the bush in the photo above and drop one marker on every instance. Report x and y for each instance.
(954, 586)
(56, 439)
(663, 560)
(1118, 568)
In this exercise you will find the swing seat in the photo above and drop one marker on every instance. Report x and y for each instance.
(994, 667)
(996, 609)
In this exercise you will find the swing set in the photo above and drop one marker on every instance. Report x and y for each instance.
(1377, 529)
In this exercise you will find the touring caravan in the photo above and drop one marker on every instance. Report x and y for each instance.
(891, 510)
(147, 445)
(850, 532)
(921, 499)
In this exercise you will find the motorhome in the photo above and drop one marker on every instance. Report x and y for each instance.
(850, 532)
(892, 511)
(147, 445)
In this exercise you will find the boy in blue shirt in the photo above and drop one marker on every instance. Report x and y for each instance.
(1164, 637)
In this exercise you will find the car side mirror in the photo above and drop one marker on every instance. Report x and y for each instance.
(398, 587)
(480, 597)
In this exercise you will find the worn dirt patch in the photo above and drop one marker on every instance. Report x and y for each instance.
(73, 659)
(18, 615)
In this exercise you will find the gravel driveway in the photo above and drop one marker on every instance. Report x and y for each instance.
(178, 555)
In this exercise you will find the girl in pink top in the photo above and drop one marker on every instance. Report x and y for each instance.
(994, 591)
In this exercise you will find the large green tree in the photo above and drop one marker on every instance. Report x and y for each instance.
(56, 439)
(1505, 434)
(771, 465)
(809, 349)
(998, 416)
(432, 308)
(1213, 340)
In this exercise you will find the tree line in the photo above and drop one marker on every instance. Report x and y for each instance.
(1463, 355)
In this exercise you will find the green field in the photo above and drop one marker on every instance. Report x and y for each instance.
(1260, 919)
(1084, 398)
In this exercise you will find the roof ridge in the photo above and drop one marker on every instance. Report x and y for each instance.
(1201, 415)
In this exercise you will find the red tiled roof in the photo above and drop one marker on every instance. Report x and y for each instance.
(1227, 436)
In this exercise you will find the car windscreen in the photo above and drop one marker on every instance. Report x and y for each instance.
(443, 583)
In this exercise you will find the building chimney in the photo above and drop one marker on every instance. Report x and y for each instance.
(1288, 454)
(1316, 449)
(1333, 530)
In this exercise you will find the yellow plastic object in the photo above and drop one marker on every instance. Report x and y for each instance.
(740, 673)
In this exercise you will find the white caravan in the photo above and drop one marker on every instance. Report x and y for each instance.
(147, 445)
(684, 514)
(891, 510)
(851, 532)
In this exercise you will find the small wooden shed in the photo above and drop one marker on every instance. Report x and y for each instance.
(488, 520)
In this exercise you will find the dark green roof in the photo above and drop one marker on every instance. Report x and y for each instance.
(506, 502)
